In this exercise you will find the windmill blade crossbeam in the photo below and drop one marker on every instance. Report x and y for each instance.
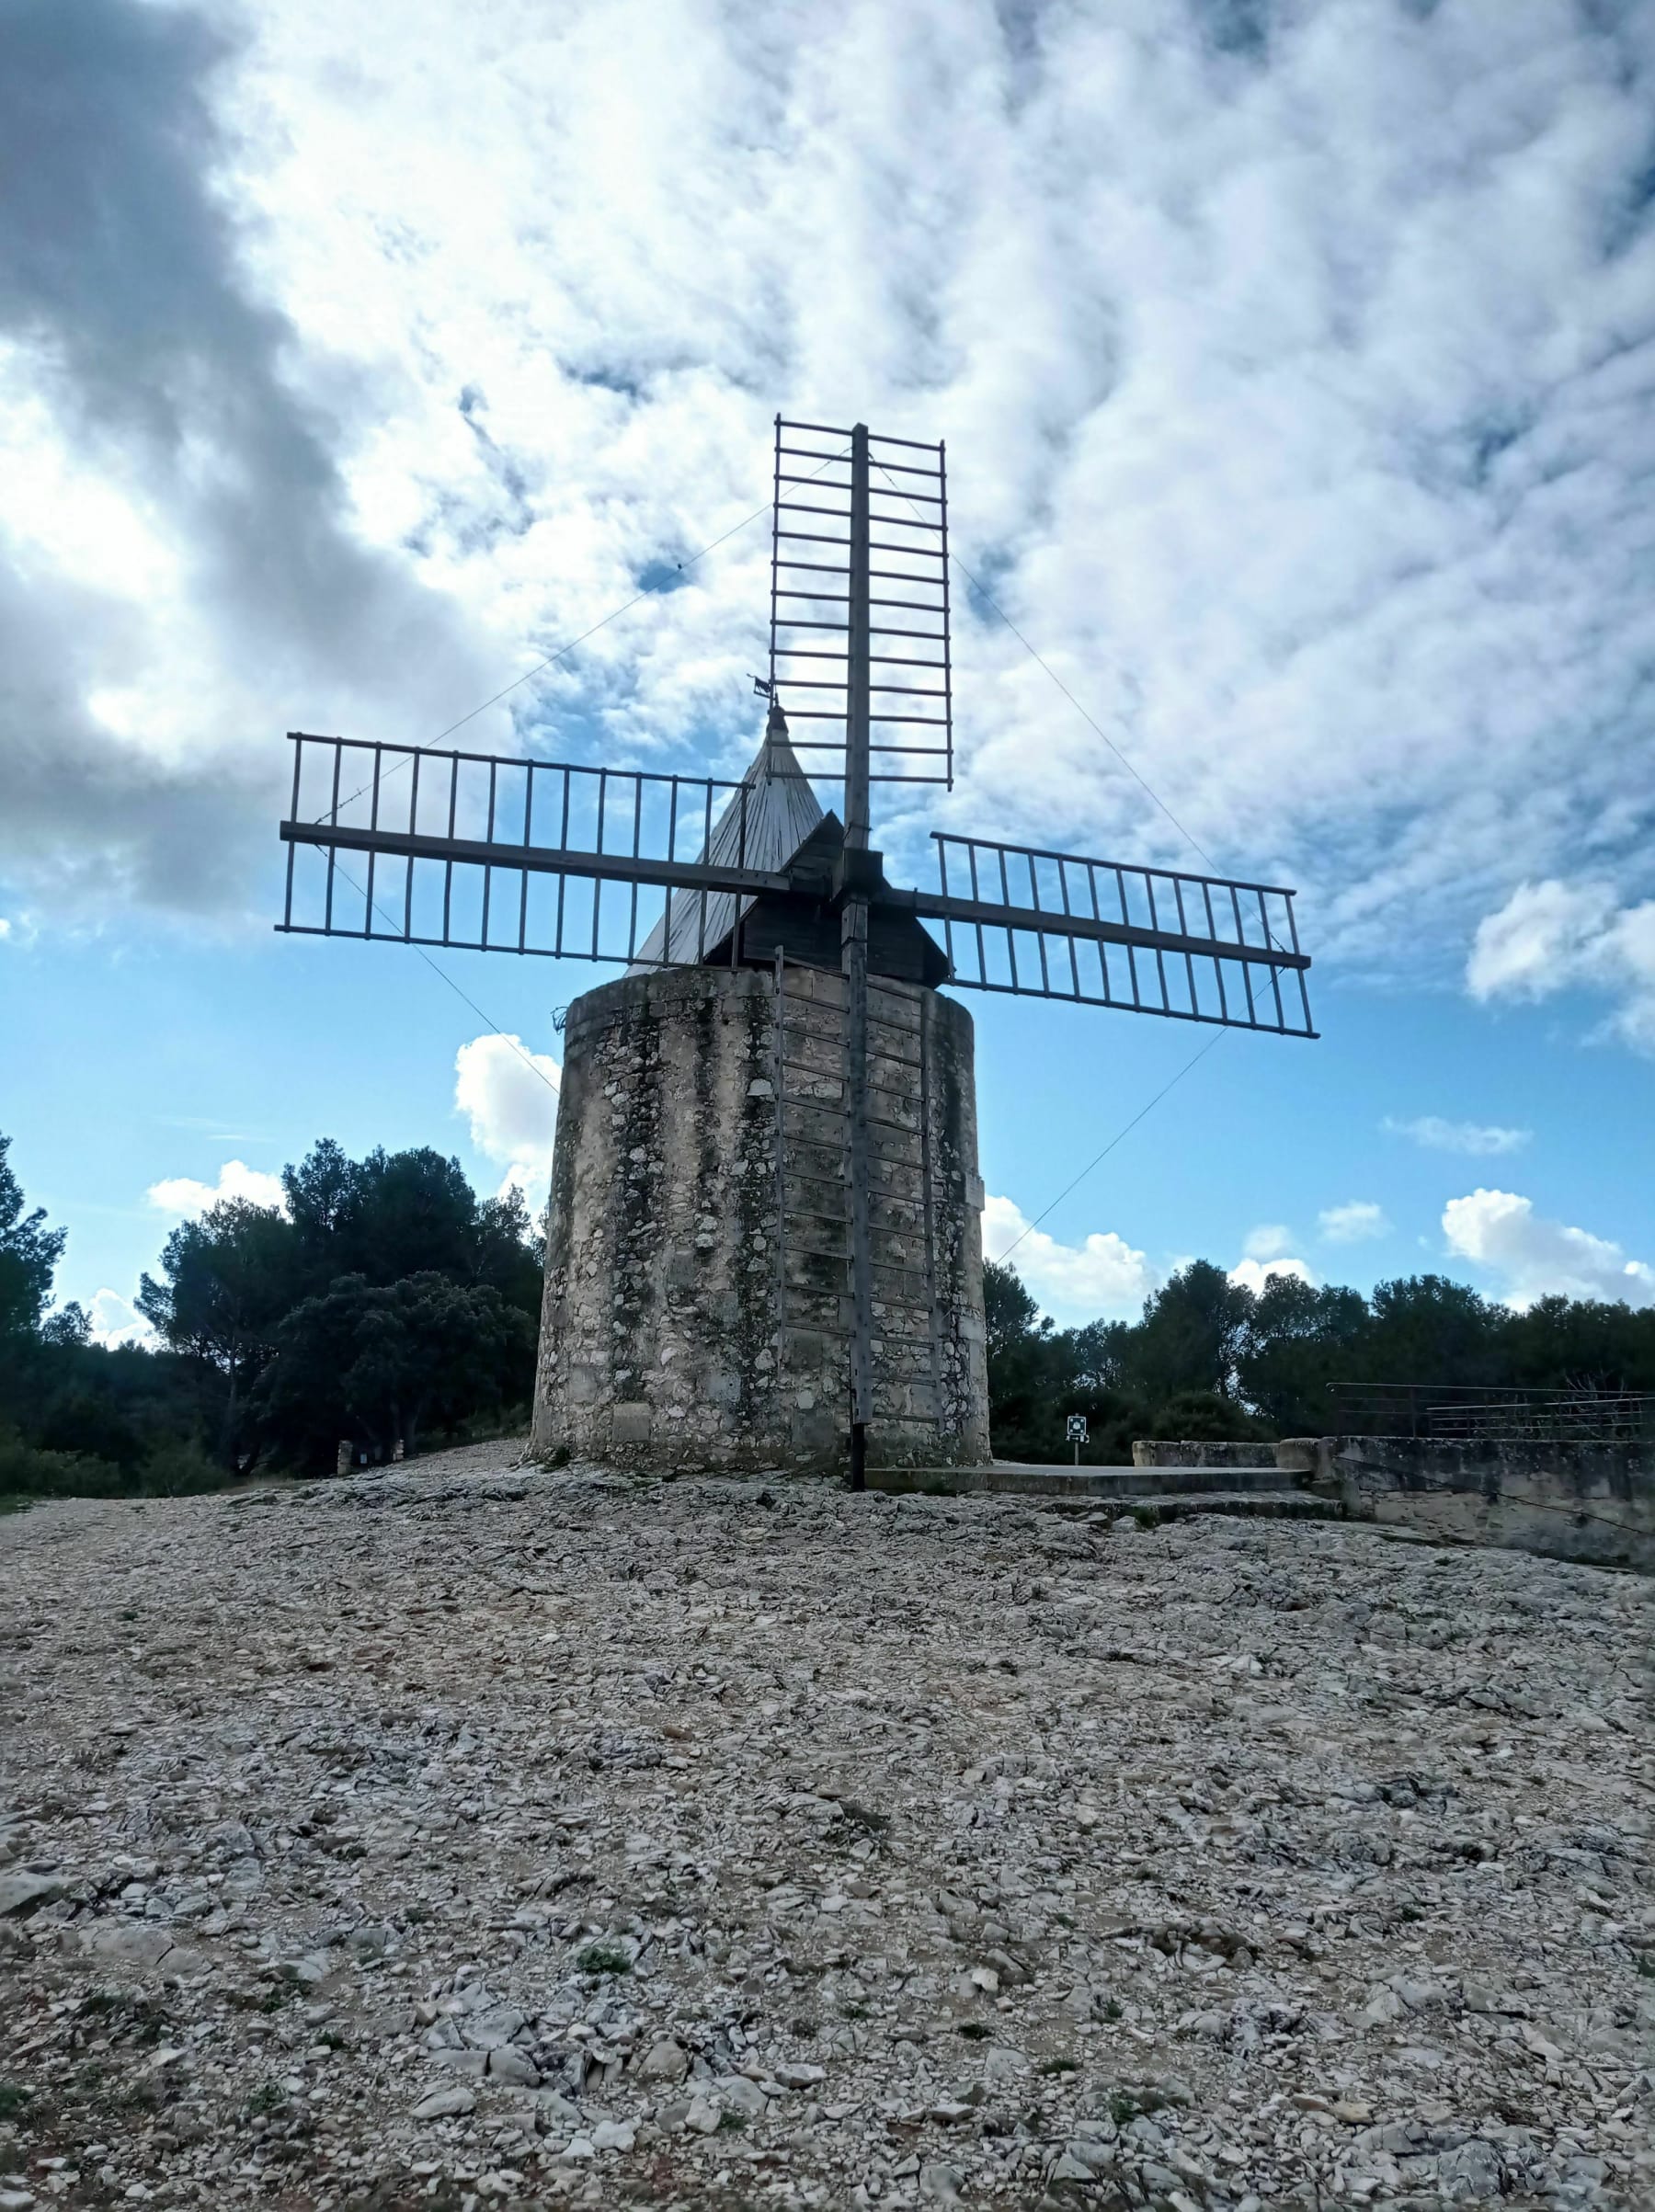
(1034, 923)
(539, 860)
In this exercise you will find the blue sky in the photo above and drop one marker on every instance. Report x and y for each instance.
(1295, 364)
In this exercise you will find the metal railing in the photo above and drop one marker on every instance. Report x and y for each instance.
(1475, 1412)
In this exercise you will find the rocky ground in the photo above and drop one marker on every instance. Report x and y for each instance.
(472, 1835)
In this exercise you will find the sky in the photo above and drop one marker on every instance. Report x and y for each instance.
(1295, 363)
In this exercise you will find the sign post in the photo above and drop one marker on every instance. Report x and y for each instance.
(1077, 1433)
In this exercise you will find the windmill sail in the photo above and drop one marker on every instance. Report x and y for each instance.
(885, 549)
(1038, 924)
(409, 845)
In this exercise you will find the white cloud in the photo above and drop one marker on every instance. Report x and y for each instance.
(1268, 1241)
(1253, 1274)
(511, 1094)
(1287, 390)
(182, 1195)
(1102, 1278)
(1352, 1223)
(116, 1320)
(1435, 1135)
(1269, 1252)
(1536, 1258)
(1536, 942)
(1552, 936)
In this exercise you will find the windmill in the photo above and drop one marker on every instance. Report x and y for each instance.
(776, 982)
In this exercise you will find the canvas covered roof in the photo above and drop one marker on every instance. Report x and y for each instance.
(780, 812)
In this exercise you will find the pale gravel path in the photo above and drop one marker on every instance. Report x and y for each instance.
(1237, 1860)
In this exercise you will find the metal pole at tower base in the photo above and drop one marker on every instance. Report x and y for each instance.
(854, 952)
(853, 959)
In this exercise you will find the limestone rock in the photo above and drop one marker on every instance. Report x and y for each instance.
(508, 2065)
(138, 1946)
(22, 1893)
(739, 2094)
(631, 1809)
(445, 2104)
(666, 2060)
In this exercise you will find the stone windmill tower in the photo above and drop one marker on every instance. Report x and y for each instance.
(764, 1244)
(698, 1305)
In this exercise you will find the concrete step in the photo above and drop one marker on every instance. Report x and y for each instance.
(1263, 1505)
(1103, 1485)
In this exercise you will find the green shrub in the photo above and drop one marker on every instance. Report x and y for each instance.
(27, 1471)
(179, 1468)
(174, 1467)
(604, 1958)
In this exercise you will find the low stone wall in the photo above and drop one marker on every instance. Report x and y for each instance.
(1155, 1451)
(1593, 1502)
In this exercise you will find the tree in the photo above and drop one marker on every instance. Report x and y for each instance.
(1583, 1345)
(1038, 1375)
(226, 1280)
(1011, 1314)
(1203, 1416)
(511, 1251)
(1427, 1328)
(1017, 1346)
(398, 1214)
(227, 1283)
(320, 1193)
(390, 1215)
(1190, 1337)
(30, 1252)
(1297, 1340)
(380, 1362)
(70, 1325)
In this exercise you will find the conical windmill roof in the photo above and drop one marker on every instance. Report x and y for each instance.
(779, 814)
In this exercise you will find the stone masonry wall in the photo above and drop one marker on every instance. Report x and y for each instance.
(696, 1304)
(1588, 1501)
(1593, 1502)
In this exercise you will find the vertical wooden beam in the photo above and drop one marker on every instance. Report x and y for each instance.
(780, 1082)
(927, 1002)
(858, 671)
(853, 958)
(853, 949)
